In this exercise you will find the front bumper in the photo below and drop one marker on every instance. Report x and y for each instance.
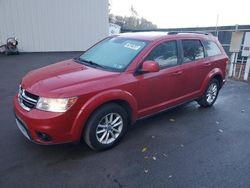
(45, 127)
(23, 128)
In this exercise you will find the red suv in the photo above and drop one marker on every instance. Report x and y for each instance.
(117, 81)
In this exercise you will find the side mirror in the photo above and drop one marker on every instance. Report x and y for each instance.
(150, 66)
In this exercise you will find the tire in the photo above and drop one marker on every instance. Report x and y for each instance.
(105, 127)
(210, 95)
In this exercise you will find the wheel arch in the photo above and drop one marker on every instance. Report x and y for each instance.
(219, 78)
(214, 74)
(123, 103)
(120, 97)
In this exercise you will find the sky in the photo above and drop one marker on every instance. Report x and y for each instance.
(186, 13)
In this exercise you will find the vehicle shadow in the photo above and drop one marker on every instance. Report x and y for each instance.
(56, 154)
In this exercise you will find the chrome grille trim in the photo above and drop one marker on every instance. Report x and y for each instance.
(28, 98)
(26, 102)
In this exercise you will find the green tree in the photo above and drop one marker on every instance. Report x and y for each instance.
(132, 22)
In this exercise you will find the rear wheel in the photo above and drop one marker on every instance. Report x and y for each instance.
(106, 127)
(210, 95)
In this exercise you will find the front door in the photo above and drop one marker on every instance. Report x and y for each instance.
(159, 90)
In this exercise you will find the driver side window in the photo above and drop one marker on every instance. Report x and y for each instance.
(165, 54)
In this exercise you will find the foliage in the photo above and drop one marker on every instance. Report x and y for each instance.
(132, 22)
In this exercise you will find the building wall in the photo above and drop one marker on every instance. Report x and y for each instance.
(54, 25)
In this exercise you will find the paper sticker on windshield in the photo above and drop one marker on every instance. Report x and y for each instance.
(132, 46)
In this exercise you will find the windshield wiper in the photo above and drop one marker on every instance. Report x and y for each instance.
(90, 63)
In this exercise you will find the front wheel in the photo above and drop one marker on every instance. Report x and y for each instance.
(210, 95)
(106, 127)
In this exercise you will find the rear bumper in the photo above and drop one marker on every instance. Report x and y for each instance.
(46, 127)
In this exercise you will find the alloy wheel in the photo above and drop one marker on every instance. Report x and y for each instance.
(211, 93)
(109, 128)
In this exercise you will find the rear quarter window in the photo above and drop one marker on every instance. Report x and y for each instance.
(192, 50)
(211, 48)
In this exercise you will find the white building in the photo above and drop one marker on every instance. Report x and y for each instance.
(54, 25)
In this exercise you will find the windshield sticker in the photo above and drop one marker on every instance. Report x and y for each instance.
(132, 46)
(118, 66)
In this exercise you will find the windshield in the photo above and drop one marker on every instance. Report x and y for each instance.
(113, 53)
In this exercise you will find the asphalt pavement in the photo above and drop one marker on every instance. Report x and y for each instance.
(184, 147)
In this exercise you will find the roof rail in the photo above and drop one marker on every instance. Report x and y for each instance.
(195, 32)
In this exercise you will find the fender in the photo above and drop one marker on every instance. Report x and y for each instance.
(211, 74)
(96, 101)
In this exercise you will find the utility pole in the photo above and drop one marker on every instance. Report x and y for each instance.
(246, 53)
(216, 27)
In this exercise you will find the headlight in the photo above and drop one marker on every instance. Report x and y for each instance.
(55, 105)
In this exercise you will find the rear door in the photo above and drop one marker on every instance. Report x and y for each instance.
(194, 66)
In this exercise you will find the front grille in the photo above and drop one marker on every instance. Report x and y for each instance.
(27, 100)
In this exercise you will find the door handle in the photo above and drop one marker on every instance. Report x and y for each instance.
(177, 73)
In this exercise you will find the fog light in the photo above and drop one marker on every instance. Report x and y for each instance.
(44, 136)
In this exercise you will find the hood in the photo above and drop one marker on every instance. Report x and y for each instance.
(61, 79)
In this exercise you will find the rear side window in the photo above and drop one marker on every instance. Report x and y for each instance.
(192, 50)
(165, 54)
(211, 48)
